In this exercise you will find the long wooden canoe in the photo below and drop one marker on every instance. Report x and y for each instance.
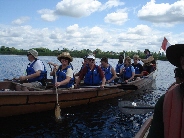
(22, 102)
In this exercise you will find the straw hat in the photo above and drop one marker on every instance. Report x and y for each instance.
(173, 54)
(65, 55)
(33, 52)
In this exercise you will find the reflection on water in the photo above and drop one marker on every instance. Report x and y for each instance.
(100, 119)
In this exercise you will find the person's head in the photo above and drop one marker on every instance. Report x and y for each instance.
(32, 54)
(104, 61)
(121, 59)
(128, 60)
(65, 58)
(135, 58)
(146, 51)
(91, 59)
(175, 55)
(179, 75)
(85, 60)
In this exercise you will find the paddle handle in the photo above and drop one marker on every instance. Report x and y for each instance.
(56, 87)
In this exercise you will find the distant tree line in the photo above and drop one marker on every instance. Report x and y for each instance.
(79, 53)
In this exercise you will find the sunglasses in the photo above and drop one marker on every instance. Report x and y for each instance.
(135, 59)
(28, 54)
(90, 59)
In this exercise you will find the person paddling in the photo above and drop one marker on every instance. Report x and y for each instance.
(149, 62)
(109, 72)
(137, 66)
(92, 74)
(127, 71)
(65, 76)
(36, 73)
(168, 118)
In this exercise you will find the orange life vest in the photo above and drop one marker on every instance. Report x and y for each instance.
(173, 113)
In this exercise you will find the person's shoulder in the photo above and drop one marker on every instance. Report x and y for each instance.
(139, 64)
(160, 102)
(38, 62)
(69, 69)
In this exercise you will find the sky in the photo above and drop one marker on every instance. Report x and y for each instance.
(109, 25)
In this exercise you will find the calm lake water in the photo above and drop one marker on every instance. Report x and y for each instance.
(102, 119)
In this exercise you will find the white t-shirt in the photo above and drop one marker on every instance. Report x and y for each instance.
(69, 73)
(38, 65)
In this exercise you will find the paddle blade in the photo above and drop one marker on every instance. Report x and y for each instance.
(58, 112)
(128, 107)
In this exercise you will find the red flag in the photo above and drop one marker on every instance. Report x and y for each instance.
(165, 44)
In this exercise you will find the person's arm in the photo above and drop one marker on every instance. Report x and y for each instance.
(121, 70)
(38, 67)
(34, 75)
(114, 75)
(103, 82)
(157, 124)
(81, 76)
(52, 73)
(53, 64)
(77, 82)
(64, 82)
(77, 74)
(149, 59)
(102, 77)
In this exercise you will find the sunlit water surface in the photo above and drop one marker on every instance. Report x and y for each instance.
(102, 119)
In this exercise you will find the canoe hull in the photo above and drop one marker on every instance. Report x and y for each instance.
(21, 102)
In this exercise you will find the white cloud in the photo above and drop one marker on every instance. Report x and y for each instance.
(76, 37)
(77, 8)
(118, 18)
(21, 20)
(140, 30)
(48, 15)
(71, 8)
(111, 3)
(72, 28)
(163, 13)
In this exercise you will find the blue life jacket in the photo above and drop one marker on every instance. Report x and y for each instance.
(137, 70)
(92, 77)
(128, 72)
(61, 75)
(30, 70)
(107, 72)
(118, 66)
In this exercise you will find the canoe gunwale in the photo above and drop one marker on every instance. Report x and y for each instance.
(144, 128)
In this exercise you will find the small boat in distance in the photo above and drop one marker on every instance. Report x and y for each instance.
(36, 100)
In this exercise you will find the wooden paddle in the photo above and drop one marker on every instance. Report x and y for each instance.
(128, 107)
(128, 87)
(57, 108)
(122, 86)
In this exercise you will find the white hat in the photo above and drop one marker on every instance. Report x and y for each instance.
(33, 52)
(91, 57)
